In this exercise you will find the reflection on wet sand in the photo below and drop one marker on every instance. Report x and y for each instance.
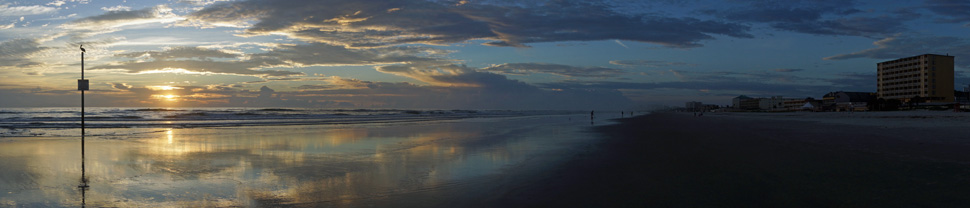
(322, 165)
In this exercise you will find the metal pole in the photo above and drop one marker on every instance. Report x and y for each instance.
(82, 119)
(84, 180)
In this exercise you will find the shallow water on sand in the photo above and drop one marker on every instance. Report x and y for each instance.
(341, 165)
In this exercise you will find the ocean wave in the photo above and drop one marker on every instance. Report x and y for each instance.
(154, 109)
(67, 118)
(278, 109)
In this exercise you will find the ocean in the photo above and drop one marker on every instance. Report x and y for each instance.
(64, 122)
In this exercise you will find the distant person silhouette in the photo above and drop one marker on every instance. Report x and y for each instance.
(592, 114)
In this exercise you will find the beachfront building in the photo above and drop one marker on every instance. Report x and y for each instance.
(809, 104)
(962, 98)
(694, 106)
(848, 101)
(927, 76)
(776, 103)
(793, 105)
(745, 103)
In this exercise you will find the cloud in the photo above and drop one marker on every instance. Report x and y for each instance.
(901, 46)
(855, 26)
(16, 53)
(828, 17)
(112, 20)
(648, 63)
(439, 75)
(116, 8)
(494, 92)
(336, 82)
(621, 43)
(7, 10)
(201, 61)
(330, 55)
(787, 70)
(198, 67)
(557, 69)
(180, 52)
(201, 2)
(373, 23)
(57, 3)
(120, 86)
(954, 11)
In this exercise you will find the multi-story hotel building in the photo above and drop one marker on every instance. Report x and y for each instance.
(928, 76)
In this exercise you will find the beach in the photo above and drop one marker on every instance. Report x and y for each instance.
(414, 160)
(660, 159)
(862, 159)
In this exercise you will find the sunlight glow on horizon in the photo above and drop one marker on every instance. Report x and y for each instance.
(171, 98)
(163, 87)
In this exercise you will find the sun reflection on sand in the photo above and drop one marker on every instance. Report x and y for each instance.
(170, 137)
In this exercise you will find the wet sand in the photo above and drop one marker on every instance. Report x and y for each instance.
(665, 159)
(454, 163)
(777, 160)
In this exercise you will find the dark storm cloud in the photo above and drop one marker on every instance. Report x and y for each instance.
(812, 17)
(900, 46)
(557, 69)
(373, 23)
(954, 11)
(15, 53)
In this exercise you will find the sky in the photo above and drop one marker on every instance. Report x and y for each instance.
(468, 54)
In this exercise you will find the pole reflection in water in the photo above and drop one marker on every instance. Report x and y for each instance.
(319, 165)
(84, 179)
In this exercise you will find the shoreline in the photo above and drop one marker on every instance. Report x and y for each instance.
(674, 159)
